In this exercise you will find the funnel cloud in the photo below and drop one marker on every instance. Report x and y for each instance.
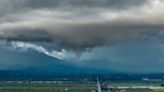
(78, 27)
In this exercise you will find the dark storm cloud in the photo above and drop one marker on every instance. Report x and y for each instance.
(114, 4)
(81, 36)
(80, 24)
(9, 8)
(18, 5)
(75, 26)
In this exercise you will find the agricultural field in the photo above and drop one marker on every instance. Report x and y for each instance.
(67, 88)
(46, 87)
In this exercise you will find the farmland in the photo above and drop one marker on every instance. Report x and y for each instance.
(46, 87)
(70, 88)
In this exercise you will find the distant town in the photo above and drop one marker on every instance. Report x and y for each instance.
(93, 82)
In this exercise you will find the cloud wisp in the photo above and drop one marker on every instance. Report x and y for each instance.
(61, 55)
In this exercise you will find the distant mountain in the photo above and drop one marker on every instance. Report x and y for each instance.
(45, 73)
(34, 63)
(31, 64)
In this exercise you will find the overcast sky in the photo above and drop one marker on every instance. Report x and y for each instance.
(117, 35)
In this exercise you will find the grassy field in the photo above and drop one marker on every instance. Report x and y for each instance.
(60, 88)
(46, 87)
(159, 90)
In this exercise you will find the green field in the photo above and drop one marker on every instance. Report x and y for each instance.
(46, 87)
(60, 88)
